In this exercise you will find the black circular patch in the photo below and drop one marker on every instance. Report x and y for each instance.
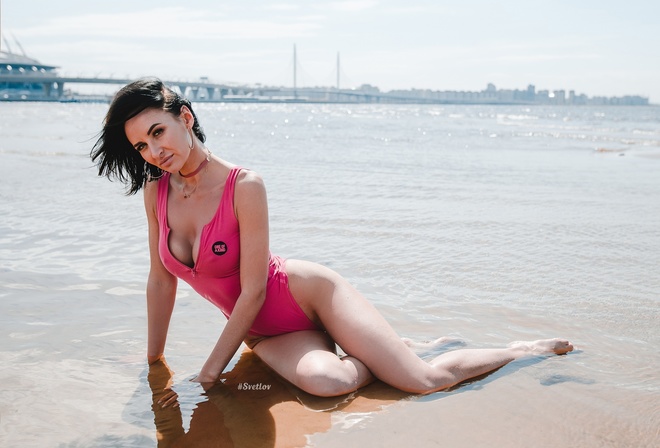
(219, 248)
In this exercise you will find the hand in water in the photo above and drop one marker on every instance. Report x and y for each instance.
(205, 380)
(160, 382)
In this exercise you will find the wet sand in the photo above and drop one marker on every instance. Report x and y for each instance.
(520, 405)
(254, 407)
(521, 230)
(523, 404)
(511, 412)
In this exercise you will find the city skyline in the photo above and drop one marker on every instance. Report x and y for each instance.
(598, 48)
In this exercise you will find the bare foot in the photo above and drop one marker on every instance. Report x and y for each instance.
(426, 345)
(543, 346)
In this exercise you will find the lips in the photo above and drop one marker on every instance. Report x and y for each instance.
(166, 161)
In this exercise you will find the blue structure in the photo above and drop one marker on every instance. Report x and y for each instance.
(19, 78)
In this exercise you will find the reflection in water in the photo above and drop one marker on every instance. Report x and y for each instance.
(254, 407)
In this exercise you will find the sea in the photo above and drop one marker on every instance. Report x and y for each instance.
(487, 224)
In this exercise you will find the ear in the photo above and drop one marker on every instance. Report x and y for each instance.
(187, 117)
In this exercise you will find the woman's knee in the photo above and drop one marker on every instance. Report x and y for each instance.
(326, 376)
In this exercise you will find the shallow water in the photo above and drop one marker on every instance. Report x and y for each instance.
(489, 224)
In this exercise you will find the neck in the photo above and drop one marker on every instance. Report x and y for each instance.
(199, 168)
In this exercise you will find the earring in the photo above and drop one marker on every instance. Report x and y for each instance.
(192, 140)
(148, 172)
(151, 178)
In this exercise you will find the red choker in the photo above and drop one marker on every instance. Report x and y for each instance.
(199, 168)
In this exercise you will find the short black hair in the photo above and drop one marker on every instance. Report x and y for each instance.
(113, 154)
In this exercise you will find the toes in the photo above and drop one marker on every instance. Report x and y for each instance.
(566, 346)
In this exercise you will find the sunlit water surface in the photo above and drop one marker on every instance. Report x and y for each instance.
(489, 224)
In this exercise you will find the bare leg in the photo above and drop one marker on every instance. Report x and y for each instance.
(459, 365)
(308, 360)
(372, 345)
(429, 345)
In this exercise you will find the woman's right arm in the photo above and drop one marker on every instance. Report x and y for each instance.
(161, 285)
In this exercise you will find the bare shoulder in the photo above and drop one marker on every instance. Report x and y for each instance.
(250, 195)
(249, 182)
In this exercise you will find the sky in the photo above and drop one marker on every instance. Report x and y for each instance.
(599, 48)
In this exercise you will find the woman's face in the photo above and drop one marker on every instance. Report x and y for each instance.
(161, 138)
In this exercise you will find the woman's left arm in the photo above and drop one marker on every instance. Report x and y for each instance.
(251, 209)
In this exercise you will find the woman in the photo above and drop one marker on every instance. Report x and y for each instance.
(208, 225)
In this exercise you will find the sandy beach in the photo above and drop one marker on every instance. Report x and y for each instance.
(486, 224)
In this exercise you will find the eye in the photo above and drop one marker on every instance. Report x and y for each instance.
(157, 132)
(140, 146)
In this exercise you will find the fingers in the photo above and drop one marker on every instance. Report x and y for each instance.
(170, 398)
(205, 381)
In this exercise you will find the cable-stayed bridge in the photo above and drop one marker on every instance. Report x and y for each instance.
(53, 87)
(25, 79)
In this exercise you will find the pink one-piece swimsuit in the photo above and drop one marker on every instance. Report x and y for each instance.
(215, 275)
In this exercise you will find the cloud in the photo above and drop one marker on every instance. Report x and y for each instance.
(282, 7)
(351, 5)
(540, 57)
(174, 22)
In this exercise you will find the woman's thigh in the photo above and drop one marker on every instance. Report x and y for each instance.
(288, 353)
(356, 326)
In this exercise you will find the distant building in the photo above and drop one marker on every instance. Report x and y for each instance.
(15, 66)
(368, 88)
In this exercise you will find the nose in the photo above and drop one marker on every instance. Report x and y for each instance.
(156, 151)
